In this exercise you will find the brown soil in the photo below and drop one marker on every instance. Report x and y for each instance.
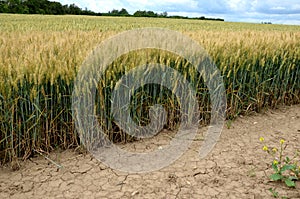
(236, 168)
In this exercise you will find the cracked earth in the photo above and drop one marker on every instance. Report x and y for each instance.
(236, 168)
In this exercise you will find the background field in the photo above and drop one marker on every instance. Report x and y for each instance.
(39, 57)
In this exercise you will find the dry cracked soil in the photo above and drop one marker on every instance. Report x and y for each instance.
(237, 167)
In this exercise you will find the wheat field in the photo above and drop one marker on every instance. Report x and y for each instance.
(40, 57)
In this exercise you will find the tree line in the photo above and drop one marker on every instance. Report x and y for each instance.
(41, 7)
(56, 8)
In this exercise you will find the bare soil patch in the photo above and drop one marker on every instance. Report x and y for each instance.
(236, 168)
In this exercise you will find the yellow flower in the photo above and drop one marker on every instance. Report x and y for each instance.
(282, 141)
(275, 162)
(261, 139)
(274, 150)
(265, 148)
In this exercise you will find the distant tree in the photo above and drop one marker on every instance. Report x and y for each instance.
(114, 12)
(266, 22)
(14, 6)
(164, 14)
(123, 12)
(145, 14)
(138, 13)
(151, 14)
(56, 8)
(4, 7)
(35, 6)
(74, 10)
(178, 17)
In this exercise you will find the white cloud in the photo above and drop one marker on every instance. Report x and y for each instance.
(278, 7)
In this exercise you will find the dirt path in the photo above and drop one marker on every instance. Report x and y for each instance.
(236, 168)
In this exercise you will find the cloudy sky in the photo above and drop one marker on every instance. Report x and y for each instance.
(275, 11)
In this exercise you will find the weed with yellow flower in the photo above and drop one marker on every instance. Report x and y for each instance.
(285, 169)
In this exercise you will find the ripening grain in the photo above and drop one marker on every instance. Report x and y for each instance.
(39, 57)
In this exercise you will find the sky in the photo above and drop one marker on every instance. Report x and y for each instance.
(257, 11)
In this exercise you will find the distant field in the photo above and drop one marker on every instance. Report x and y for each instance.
(39, 57)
